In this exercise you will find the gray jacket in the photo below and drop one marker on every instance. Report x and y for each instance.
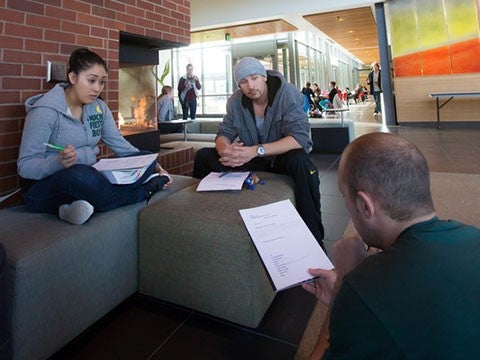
(165, 109)
(284, 115)
(48, 121)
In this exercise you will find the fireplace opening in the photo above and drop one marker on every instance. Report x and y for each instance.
(138, 88)
(137, 98)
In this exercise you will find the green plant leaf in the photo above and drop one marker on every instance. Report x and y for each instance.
(166, 71)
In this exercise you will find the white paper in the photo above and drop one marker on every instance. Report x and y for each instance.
(284, 242)
(125, 170)
(130, 162)
(126, 176)
(216, 181)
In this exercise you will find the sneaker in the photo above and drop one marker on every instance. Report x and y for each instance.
(151, 177)
(154, 183)
(162, 171)
(76, 213)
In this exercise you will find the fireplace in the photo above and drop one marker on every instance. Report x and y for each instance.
(137, 98)
(138, 66)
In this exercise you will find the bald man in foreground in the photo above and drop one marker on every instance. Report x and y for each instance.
(408, 285)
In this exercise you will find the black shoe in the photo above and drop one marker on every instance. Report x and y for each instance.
(153, 185)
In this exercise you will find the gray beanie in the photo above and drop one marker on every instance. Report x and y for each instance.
(248, 66)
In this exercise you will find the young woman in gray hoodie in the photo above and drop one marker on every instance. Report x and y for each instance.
(72, 117)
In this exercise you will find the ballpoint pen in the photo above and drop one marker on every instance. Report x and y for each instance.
(223, 174)
(52, 146)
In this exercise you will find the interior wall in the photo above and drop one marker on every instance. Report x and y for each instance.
(414, 104)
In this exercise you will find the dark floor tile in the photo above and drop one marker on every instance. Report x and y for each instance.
(204, 338)
(333, 204)
(133, 331)
(288, 315)
(328, 183)
(472, 168)
(334, 225)
(325, 162)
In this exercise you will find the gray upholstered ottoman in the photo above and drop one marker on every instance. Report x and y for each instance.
(65, 277)
(195, 251)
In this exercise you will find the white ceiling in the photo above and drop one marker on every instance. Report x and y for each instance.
(224, 14)
(208, 14)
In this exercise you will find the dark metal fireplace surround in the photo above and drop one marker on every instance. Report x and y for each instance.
(138, 56)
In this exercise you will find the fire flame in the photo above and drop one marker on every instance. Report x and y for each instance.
(140, 111)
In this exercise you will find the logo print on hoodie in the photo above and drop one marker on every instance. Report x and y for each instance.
(96, 122)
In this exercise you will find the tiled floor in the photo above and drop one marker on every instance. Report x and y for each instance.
(143, 328)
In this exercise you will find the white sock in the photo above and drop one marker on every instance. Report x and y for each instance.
(76, 213)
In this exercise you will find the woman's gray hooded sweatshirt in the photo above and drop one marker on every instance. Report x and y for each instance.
(48, 121)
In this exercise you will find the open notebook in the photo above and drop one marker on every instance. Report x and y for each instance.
(125, 170)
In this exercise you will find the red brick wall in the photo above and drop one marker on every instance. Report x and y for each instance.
(34, 32)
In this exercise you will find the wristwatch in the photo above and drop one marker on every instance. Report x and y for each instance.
(260, 150)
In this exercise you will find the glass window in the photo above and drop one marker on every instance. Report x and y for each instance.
(212, 63)
(216, 79)
(302, 61)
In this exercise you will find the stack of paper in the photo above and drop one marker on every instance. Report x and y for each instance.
(216, 181)
(125, 170)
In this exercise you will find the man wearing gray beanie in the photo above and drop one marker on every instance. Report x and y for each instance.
(266, 116)
(248, 66)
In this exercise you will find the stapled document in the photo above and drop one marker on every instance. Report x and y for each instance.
(217, 181)
(285, 243)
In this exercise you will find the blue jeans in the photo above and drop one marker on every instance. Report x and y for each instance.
(83, 182)
(189, 105)
(6, 294)
(378, 106)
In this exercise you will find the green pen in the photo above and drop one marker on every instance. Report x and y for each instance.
(56, 147)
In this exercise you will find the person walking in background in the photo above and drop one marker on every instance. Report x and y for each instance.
(60, 144)
(188, 87)
(266, 114)
(374, 79)
(414, 293)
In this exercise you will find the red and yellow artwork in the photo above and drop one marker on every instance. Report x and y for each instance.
(434, 37)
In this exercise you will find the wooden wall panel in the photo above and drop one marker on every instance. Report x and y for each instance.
(414, 105)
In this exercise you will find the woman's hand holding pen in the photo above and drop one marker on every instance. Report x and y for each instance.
(68, 156)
